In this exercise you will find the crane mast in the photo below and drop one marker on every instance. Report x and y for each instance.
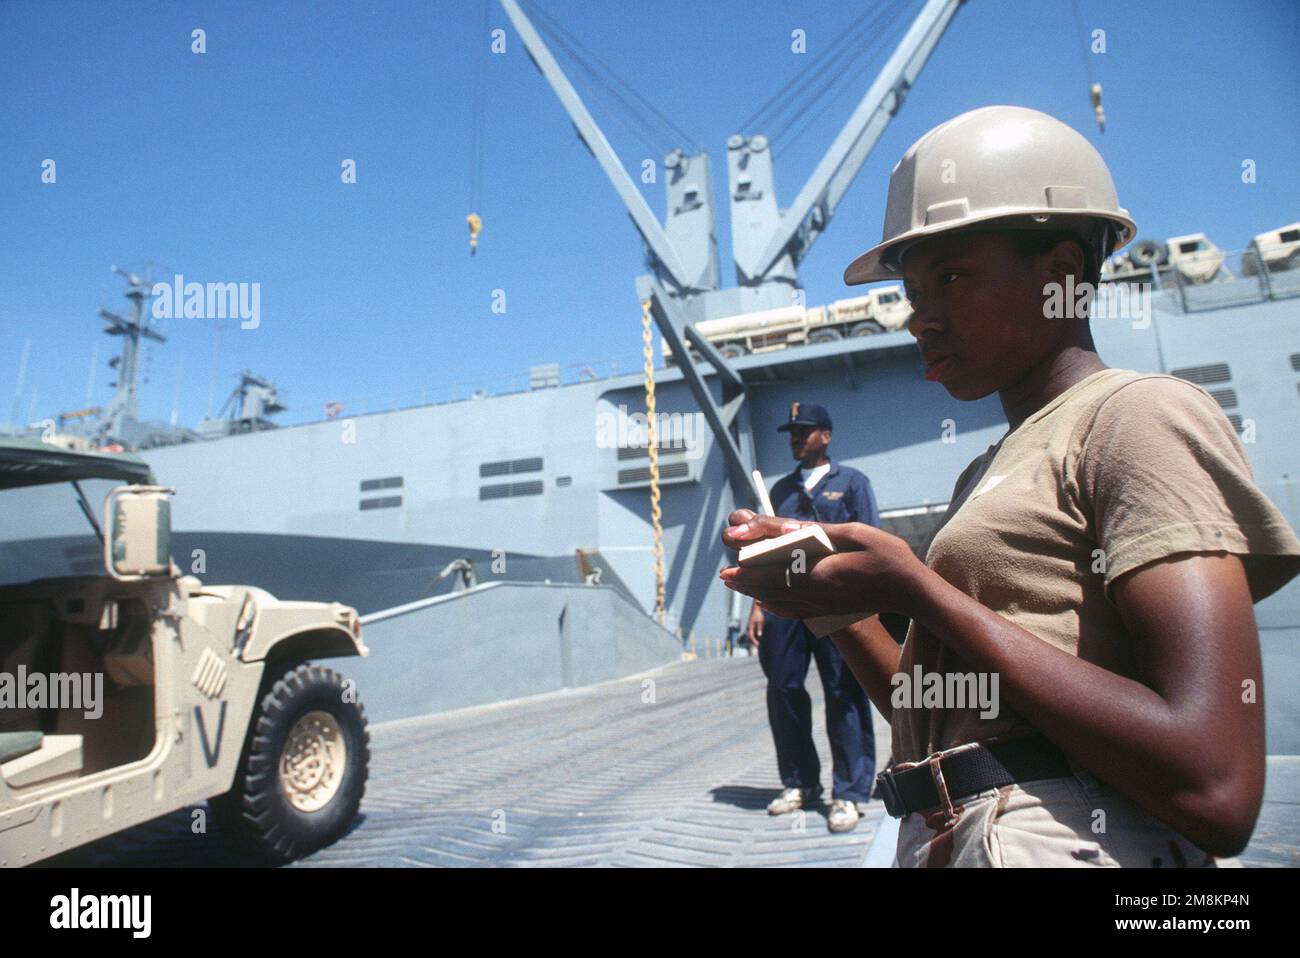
(768, 243)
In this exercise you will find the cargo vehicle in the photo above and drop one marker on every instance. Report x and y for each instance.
(138, 690)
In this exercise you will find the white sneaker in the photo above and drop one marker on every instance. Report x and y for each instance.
(843, 816)
(793, 798)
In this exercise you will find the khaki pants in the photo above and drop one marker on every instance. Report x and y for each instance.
(1075, 821)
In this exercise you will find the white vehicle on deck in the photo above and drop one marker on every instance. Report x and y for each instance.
(881, 310)
(1193, 259)
(1277, 249)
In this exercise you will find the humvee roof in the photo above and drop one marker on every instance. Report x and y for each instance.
(30, 462)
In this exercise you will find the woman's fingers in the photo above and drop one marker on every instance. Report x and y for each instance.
(740, 516)
(754, 527)
(791, 611)
(848, 536)
(753, 581)
(768, 586)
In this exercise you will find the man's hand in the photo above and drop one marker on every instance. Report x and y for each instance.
(755, 628)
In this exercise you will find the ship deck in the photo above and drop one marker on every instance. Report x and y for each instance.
(609, 775)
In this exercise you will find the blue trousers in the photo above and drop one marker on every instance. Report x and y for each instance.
(784, 651)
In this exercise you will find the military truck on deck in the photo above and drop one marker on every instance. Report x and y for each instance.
(137, 691)
(881, 310)
(1193, 260)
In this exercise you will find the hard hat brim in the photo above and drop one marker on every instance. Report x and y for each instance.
(882, 261)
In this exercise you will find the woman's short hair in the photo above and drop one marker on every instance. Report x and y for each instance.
(1036, 242)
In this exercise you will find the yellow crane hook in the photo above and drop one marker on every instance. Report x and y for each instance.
(475, 227)
(1096, 107)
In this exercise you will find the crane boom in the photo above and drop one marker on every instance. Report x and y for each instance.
(660, 246)
(808, 217)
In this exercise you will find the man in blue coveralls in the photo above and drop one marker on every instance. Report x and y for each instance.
(820, 490)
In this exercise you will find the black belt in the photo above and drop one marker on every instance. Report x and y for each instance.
(970, 771)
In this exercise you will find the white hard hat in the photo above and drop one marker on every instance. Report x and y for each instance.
(994, 163)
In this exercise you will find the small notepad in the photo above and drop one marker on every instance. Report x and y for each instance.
(780, 551)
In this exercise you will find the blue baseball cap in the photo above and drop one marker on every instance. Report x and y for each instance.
(806, 414)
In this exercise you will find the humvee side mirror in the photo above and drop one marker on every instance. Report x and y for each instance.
(138, 532)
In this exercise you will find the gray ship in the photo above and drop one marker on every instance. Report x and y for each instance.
(526, 562)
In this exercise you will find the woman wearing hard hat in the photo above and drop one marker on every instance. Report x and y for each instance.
(1097, 567)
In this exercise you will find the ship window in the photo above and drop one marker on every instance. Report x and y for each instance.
(1290, 236)
(391, 482)
(507, 490)
(1227, 398)
(673, 470)
(889, 298)
(381, 502)
(1190, 247)
(1235, 419)
(563, 481)
(1201, 375)
(1295, 362)
(509, 467)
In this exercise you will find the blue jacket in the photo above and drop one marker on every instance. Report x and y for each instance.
(842, 495)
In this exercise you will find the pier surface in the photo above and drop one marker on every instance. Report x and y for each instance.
(671, 768)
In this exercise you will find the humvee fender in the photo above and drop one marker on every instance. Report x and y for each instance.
(283, 632)
(271, 628)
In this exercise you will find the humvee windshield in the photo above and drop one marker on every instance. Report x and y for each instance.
(44, 530)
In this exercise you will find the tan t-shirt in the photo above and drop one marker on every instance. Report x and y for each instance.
(1138, 466)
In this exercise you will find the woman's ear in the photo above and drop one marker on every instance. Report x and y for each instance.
(1066, 258)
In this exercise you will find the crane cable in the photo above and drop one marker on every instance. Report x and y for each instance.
(853, 43)
(656, 513)
(655, 134)
(474, 220)
(1094, 88)
(806, 114)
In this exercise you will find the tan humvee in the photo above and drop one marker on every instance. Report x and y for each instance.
(204, 692)
(1276, 250)
(1193, 257)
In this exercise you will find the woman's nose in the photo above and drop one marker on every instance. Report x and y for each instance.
(923, 317)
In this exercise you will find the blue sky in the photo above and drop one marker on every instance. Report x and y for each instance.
(225, 167)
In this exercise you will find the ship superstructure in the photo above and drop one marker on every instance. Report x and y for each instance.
(549, 487)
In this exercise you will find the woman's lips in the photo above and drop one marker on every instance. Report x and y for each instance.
(936, 370)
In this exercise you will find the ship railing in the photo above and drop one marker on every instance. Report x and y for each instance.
(1224, 279)
(504, 385)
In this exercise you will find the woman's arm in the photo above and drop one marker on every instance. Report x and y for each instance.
(872, 656)
(1181, 742)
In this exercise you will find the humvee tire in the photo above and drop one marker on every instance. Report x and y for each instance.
(303, 770)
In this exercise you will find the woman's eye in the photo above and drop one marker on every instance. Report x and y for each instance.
(946, 278)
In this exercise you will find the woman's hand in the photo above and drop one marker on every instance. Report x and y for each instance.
(871, 570)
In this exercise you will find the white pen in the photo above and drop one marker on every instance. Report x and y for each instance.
(764, 501)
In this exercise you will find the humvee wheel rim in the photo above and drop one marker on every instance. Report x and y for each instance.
(313, 761)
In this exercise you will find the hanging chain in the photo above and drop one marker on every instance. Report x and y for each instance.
(656, 514)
